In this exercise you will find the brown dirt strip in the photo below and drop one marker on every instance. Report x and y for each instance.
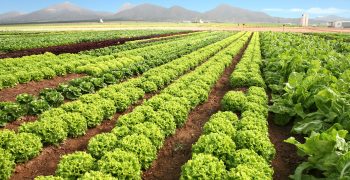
(177, 148)
(286, 159)
(34, 88)
(75, 48)
(46, 163)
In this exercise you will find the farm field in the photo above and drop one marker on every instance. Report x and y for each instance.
(173, 104)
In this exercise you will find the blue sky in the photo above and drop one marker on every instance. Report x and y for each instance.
(281, 8)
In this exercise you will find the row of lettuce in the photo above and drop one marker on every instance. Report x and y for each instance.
(133, 144)
(73, 118)
(310, 81)
(13, 41)
(340, 41)
(48, 65)
(232, 147)
(115, 71)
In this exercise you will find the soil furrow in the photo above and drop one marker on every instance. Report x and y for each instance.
(177, 148)
(34, 88)
(75, 48)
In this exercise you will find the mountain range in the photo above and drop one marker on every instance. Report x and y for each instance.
(68, 12)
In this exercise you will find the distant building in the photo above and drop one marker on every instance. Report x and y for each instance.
(101, 20)
(339, 24)
(304, 21)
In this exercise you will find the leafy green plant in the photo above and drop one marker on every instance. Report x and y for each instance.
(218, 145)
(7, 164)
(220, 125)
(121, 164)
(51, 96)
(24, 98)
(48, 178)
(150, 130)
(327, 151)
(23, 77)
(24, 146)
(8, 81)
(257, 141)
(77, 125)
(233, 101)
(5, 137)
(51, 130)
(38, 107)
(142, 147)
(101, 144)
(73, 166)
(97, 175)
(203, 166)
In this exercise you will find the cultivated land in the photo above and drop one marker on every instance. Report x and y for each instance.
(174, 103)
(164, 25)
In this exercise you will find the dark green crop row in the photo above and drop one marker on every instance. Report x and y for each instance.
(133, 143)
(75, 117)
(23, 40)
(109, 73)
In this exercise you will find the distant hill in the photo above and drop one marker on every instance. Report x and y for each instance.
(11, 14)
(332, 18)
(150, 12)
(56, 13)
(227, 13)
(67, 12)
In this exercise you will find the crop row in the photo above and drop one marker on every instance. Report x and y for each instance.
(231, 148)
(310, 81)
(133, 143)
(113, 73)
(75, 117)
(48, 65)
(19, 41)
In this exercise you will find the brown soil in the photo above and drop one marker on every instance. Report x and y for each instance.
(177, 148)
(286, 159)
(75, 48)
(46, 163)
(15, 124)
(34, 88)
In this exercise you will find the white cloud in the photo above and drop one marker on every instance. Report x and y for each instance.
(313, 11)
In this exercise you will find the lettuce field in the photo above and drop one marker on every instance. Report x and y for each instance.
(171, 104)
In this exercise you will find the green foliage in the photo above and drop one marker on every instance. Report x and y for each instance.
(7, 164)
(219, 125)
(8, 81)
(37, 75)
(327, 151)
(233, 101)
(142, 147)
(121, 164)
(75, 165)
(257, 108)
(23, 77)
(101, 144)
(10, 112)
(247, 172)
(254, 161)
(121, 101)
(24, 146)
(151, 131)
(51, 96)
(70, 92)
(218, 145)
(97, 175)
(93, 114)
(48, 178)
(5, 137)
(256, 141)
(77, 125)
(203, 166)
(51, 130)
(24, 98)
(165, 121)
(38, 107)
(178, 111)
(149, 86)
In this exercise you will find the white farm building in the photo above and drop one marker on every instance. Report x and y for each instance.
(339, 24)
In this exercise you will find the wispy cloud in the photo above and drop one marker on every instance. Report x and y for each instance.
(314, 10)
